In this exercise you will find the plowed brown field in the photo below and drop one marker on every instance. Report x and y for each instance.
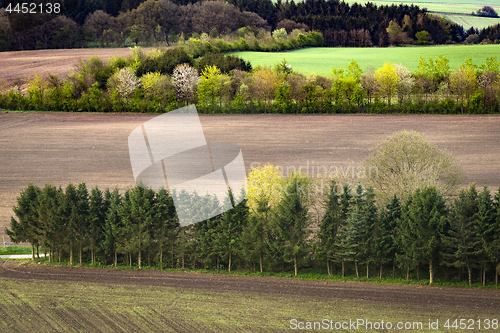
(59, 148)
(17, 66)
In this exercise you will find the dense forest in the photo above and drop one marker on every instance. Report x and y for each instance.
(451, 240)
(91, 23)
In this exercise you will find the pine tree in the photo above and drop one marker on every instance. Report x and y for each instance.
(426, 217)
(69, 215)
(96, 217)
(82, 218)
(370, 218)
(460, 244)
(486, 230)
(329, 225)
(166, 224)
(384, 247)
(27, 228)
(253, 238)
(340, 245)
(112, 226)
(291, 220)
(495, 245)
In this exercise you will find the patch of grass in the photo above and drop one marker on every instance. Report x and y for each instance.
(305, 274)
(15, 249)
(43, 306)
(321, 60)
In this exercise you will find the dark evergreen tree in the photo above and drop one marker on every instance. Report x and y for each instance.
(96, 221)
(165, 225)
(329, 225)
(384, 249)
(460, 244)
(486, 230)
(425, 215)
(26, 228)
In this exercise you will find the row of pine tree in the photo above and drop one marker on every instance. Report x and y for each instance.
(346, 231)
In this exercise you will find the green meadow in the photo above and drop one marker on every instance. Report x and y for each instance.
(321, 60)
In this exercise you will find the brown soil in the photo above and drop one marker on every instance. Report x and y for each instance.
(445, 297)
(17, 66)
(59, 148)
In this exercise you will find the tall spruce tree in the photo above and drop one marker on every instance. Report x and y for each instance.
(70, 217)
(486, 230)
(368, 239)
(112, 226)
(425, 215)
(253, 238)
(26, 228)
(329, 225)
(165, 224)
(460, 244)
(96, 218)
(384, 250)
(291, 220)
(495, 246)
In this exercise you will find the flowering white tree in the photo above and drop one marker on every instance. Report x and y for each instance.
(124, 81)
(185, 80)
(405, 82)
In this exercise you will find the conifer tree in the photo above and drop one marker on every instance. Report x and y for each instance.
(495, 246)
(329, 225)
(96, 217)
(82, 221)
(426, 217)
(232, 223)
(291, 220)
(69, 215)
(165, 224)
(112, 226)
(460, 244)
(486, 230)
(384, 246)
(27, 228)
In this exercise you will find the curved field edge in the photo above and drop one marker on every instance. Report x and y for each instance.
(321, 60)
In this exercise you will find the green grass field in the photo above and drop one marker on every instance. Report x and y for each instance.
(43, 306)
(450, 9)
(321, 60)
(15, 249)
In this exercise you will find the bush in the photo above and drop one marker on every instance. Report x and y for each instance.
(224, 63)
(165, 63)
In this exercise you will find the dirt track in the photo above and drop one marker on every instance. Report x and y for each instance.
(399, 295)
(59, 148)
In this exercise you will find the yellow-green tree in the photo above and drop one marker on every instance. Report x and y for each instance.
(387, 78)
(213, 84)
(265, 82)
(463, 82)
(264, 183)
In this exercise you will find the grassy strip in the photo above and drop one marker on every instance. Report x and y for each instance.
(15, 249)
(307, 274)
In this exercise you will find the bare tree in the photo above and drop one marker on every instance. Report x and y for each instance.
(405, 162)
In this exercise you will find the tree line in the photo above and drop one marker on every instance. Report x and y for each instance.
(271, 230)
(86, 23)
(199, 73)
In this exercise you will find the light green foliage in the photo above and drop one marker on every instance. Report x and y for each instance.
(213, 85)
(464, 81)
(423, 37)
(280, 34)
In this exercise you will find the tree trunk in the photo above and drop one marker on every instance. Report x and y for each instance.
(418, 274)
(484, 277)
(357, 272)
(407, 273)
(130, 259)
(470, 276)
(431, 272)
(380, 275)
(71, 254)
(367, 271)
(32, 251)
(116, 259)
(92, 255)
(37, 253)
(343, 270)
(80, 252)
(139, 258)
(393, 270)
(295, 264)
(229, 265)
(182, 260)
(161, 257)
(496, 275)
(328, 267)
(260, 261)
